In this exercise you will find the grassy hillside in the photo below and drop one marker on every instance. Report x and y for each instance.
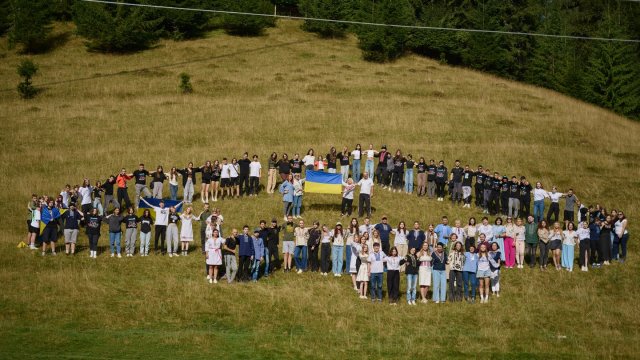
(288, 91)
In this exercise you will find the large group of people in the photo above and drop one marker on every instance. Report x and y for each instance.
(468, 256)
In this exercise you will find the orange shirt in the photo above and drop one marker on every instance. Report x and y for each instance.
(121, 180)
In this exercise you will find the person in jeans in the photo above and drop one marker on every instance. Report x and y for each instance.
(366, 192)
(298, 193)
(115, 231)
(408, 174)
(355, 164)
(131, 233)
(229, 254)
(411, 265)
(162, 220)
(456, 261)
(301, 235)
(620, 238)
(376, 269)
(343, 158)
(469, 274)
(246, 253)
(337, 249)
(287, 191)
(439, 263)
(258, 254)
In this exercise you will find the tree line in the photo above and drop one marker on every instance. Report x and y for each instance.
(604, 73)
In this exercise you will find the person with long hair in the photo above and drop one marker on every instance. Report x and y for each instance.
(421, 170)
(234, 178)
(115, 231)
(606, 227)
(409, 164)
(554, 208)
(216, 173)
(393, 276)
(369, 163)
(213, 253)
(173, 183)
(456, 262)
(543, 237)
(620, 237)
(284, 167)
(300, 254)
(296, 165)
(347, 197)
(555, 240)
(439, 261)
(288, 242)
(172, 232)
(355, 164)
(186, 230)
(569, 240)
(131, 229)
(350, 234)
(272, 172)
(344, 158)
(363, 271)
(49, 215)
(145, 232)
(431, 237)
(188, 182)
(397, 171)
(483, 273)
(92, 226)
(469, 274)
(287, 191)
(499, 233)
(520, 239)
(354, 249)
(400, 241)
(85, 192)
(594, 242)
(337, 249)
(207, 174)
(494, 265)
(325, 250)
(313, 246)
(332, 160)
(583, 237)
(471, 233)
(411, 264)
(97, 197)
(424, 273)
(157, 181)
(309, 160)
(531, 240)
(298, 194)
(510, 244)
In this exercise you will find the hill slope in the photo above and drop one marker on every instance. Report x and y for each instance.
(286, 92)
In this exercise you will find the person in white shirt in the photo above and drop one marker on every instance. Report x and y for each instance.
(85, 196)
(376, 269)
(584, 234)
(355, 165)
(486, 229)
(225, 178)
(366, 192)
(539, 194)
(66, 194)
(255, 172)
(554, 208)
(366, 227)
(309, 160)
(459, 231)
(162, 220)
(234, 180)
(369, 164)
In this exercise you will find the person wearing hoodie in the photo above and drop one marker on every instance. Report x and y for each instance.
(258, 253)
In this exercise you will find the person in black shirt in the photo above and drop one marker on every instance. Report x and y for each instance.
(243, 176)
(140, 177)
(343, 157)
(92, 226)
(496, 184)
(431, 179)
(313, 244)
(421, 169)
(480, 178)
(397, 171)
(504, 196)
(188, 181)
(441, 179)
(467, 180)
(273, 236)
(525, 197)
(107, 186)
(97, 197)
(408, 174)
(207, 175)
(296, 164)
(157, 182)
(382, 166)
(284, 167)
(71, 218)
(131, 221)
(514, 197)
(332, 160)
(145, 232)
(456, 177)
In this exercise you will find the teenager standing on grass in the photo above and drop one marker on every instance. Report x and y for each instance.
(408, 174)
(400, 241)
(244, 170)
(583, 237)
(288, 243)
(620, 237)
(131, 232)
(456, 261)
(188, 181)
(393, 276)
(479, 186)
(207, 173)
(204, 215)
(347, 197)
(363, 271)
(605, 240)
(525, 197)
(300, 254)
(484, 273)
(354, 249)
(520, 243)
(186, 230)
(213, 253)
(471, 233)
(71, 219)
(366, 193)
(157, 179)
(145, 232)
(510, 244)
(273, 239)
(569, 206)
(554, 208)
(93, 222)
(246, 252)
(172, 232)
(107, 186)
(49, 215)
(543, 237)
(287, 191)
(225, 179)
(355, 168)
(555, 240)
(439, 261)
(162, 220)
(350, 234)
(296, 165)
(140, 177)
(421, 170)
(85, 196)
(369, 164)
(258, 254)
(469, 274)
(216, 173)
(467, 181)
(531, 240)
(381, 170)
(325, 250)
(313, 246)
(337, 249)
(272, 172)
(123, 195)
(298, 194)
(494, 265)
(411, 266)
(309, 160)
(33, 222)
(499, 232)
(376, 268)
(569, 240)
(255, 172)
(229, 252)
(173, 183)
(441, 179)
(234, 176)
(344, 163)
(424, 274)
(115, 231)
(457, 173)
(332, 160)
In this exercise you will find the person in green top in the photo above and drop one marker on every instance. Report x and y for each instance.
(204, 215)
(531, 240)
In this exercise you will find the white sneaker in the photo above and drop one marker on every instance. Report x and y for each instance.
(215, 281)
(175, 254)
(208, 277)
(170, 254)
(285, 218)
(112, 254)
(339, 275)
(210, 281)
(119, 256)
(299, 271)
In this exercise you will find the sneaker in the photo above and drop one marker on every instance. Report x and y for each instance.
(175, 254)
(54, 253)
(339, 275)
(112, 254)
(170, 254)
(119, 256)
(215, 281)
(437, 302)
(607, 263)
(210, 281)
(208, 277)
(44, 253)
(299, 271)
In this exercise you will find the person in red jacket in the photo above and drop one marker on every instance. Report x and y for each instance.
(121, 181)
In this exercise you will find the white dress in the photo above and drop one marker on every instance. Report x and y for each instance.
(363, 272)
(186, 232)
(424, 273)
(355, 250)
(214, 252)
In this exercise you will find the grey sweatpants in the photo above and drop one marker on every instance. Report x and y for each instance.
(130, 240)
(141, 189)
(514, 206)
(486, 198)
(231, 266)
(157, 190)
(110, 198)
(431, 189)
(188, 192)
(456, 195)
(172, 238)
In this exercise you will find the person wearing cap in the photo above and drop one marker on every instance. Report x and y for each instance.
(337, 249)
(384, 229)
(258, 253)
(376, 268)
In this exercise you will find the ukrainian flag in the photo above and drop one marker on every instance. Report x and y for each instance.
(323, 183)
(156, 202)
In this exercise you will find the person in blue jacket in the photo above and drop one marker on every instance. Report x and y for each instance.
(416, 237)
(286, 189)
(246, 253)
(258, 253)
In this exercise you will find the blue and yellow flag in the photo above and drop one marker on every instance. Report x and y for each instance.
(323, 183)
(156, 202)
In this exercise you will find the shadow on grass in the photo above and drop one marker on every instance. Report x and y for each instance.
(48, 44)
(146, 69)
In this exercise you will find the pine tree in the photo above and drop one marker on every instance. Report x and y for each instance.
(325, 9)
(115, 28)
(5, 23)
(29, 22)
(382, 43)
(247, 25)
(180, 24)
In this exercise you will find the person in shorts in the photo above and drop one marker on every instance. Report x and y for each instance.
(72, 218)
(484, 273)
(288, 244)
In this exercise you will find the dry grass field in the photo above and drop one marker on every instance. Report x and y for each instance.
(288, 91)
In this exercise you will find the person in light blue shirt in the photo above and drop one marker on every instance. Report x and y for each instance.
(469, 274)
(499, 232)
(444, 231)
(258, 250)
(286, 189)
